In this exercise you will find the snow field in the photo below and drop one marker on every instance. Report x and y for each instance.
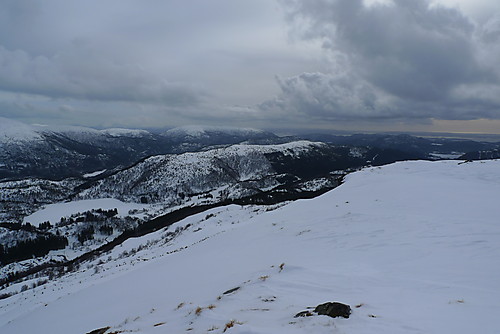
(413, 244)
(54, 212)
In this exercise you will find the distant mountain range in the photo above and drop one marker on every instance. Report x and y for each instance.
(427, 148)
(58, 152)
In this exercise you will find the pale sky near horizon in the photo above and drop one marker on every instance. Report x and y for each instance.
(377, 65)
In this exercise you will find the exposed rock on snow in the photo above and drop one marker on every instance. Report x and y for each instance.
(333, 309)
(231, 290)
(99, 331)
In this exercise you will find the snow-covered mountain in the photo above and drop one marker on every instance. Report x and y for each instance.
(15, 132)
(195, 138)
(213, 175)
(56, 152)
(412, 247)
(225, 173)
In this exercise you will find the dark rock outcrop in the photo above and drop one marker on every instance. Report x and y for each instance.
(99, 331)
(333, 309)
(231, 291)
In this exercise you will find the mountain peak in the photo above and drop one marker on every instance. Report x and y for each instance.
(12, 131)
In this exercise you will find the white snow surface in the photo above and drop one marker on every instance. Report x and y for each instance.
(98, 172)
(447, 156)
(13, 132)
(54, 212)
(415, 245)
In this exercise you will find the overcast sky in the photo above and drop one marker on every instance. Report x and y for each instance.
(401, 65)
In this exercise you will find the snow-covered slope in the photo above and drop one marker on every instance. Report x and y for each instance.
(167, 178)
(412, 247)
(226, 173)
(56, 152)
(12, 132)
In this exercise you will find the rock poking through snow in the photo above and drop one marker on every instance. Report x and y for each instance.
(333, 309)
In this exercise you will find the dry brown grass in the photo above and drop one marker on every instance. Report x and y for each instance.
(231, 324)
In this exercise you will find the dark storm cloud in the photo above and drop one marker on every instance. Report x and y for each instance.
(402, 59)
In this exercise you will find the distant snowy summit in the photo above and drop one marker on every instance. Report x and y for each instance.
(14, 132)
(218, 135)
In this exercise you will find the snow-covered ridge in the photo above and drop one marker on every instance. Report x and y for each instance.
(412, 247)
(291, 148)
(166, 178)
(68, 129)
(200, 131)
(13, 131)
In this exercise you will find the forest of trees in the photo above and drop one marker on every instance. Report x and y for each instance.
(27, 249)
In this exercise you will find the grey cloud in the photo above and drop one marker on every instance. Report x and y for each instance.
(405, 59)
(123, 50)
(82, 73)
(323, 95)
(183, 57)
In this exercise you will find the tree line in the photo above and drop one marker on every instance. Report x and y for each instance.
(29, 248)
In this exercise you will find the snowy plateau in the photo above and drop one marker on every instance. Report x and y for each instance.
(412, 247)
